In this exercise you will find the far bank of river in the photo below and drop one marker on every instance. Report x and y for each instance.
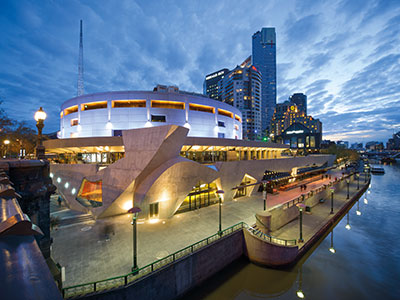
(366, 264)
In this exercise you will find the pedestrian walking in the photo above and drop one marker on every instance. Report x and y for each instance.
(59, 200)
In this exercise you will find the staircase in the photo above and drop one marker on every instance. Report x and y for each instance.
(83, 218)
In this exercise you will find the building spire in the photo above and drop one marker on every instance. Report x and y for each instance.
(80, 64)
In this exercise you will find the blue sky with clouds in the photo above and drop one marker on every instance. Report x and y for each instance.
(344, 54)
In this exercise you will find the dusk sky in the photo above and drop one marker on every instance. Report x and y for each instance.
(345, 55)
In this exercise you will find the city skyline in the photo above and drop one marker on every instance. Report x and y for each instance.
(342, 55)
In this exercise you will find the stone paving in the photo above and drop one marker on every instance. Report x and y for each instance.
(100, 250)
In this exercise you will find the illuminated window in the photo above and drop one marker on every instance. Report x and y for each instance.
(61, 114)
(74, 122)
(225, 113)
(158, 118)
(128, 103)
(90, 193)
(94, 105)
(238, 118)
(203, 108)
(70, 110)
(167, 104)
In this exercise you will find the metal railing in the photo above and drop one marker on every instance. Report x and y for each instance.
(271, 239)
(123, 280)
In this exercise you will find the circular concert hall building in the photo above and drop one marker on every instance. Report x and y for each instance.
(108, 113)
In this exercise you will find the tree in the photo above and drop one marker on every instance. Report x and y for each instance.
(20, 135)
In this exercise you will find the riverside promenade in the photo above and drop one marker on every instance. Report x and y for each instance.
(283, 234)
(88, 254)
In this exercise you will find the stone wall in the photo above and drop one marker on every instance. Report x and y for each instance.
(176, 279)
(31, 180)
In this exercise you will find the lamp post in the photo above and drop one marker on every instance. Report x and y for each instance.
(264, 182)
(301, 206)
(6, 143)
(219, 193)
(135, 212)
(331, 249)
(40, 116)
(332, 192)
(348, 184)
(348, 222)
(358, 181)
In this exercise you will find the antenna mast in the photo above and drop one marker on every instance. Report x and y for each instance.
(80, 64)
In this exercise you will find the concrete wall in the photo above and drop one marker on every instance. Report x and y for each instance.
(178, 278)
(265, 253)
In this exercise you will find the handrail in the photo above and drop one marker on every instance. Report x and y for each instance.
(123, 280)
(270, 238)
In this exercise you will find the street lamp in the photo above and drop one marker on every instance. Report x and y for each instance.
(301, 206)
(358, 181)
(331, 249)
(264, 182)
(348, 184)
(332, 192)
(219, 193)
(6, 143)
(348, 227)
(135, 212)
(40, 116)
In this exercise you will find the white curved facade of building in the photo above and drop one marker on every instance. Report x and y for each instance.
(106, 114)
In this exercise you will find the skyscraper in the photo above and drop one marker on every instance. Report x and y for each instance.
(264, 59)
(210, 85)
(241, 88)
(300, 100)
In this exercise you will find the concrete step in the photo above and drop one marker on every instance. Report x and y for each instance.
(76, 219)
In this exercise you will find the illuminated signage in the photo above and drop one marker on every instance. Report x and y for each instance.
(215, 75)
(294, 131)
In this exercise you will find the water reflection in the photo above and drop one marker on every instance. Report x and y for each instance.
(366, 263)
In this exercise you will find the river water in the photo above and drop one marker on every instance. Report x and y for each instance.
(366, 264)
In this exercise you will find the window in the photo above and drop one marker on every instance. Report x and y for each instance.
(74, 122)
(221, 135)
(90, 193)
(221, 124)
(158, 118)
(128, 103)
(153, 210)
(167, 104)
(238, 118)
(203, 108)
(117, 132)
(70, 110)
(94, 105)
(225, 113)
(61, 114)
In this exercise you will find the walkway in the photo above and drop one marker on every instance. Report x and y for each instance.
(91, 252)
(319, 216)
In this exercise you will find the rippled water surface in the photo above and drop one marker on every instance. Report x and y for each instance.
(366, 264)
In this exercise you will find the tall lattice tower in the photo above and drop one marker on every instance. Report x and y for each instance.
(80, 64)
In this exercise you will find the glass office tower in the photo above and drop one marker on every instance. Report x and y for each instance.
(264, 59)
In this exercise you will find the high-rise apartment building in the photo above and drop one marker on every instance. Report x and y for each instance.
(210, 85)
(300, 100)
(264, 59)
(241, 88)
